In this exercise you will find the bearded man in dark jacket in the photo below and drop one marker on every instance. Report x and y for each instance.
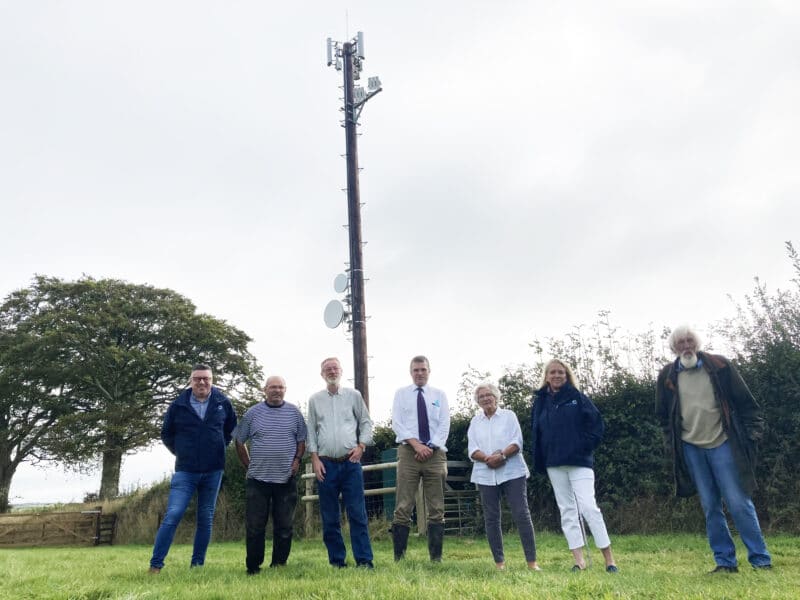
(711, 424)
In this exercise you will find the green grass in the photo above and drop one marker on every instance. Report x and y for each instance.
(663, 566)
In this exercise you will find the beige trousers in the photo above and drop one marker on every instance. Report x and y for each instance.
(409, 472)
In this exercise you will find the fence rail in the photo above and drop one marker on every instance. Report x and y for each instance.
(309, 478)
(89, 527)
(461, 505)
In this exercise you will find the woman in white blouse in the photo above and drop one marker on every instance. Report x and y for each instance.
(495, 446)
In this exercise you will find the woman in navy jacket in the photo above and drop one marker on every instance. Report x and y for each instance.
(566, 428)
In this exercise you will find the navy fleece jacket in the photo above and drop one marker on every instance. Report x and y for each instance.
(566, 428)
(199, 444)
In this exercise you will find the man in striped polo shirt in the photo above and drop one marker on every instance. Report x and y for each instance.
(277, 433)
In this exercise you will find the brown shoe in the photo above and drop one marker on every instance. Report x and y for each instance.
(154, 571)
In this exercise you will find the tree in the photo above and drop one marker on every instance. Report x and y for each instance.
(30, 401)
(119, 353)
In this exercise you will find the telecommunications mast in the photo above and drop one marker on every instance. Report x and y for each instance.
(347, 57)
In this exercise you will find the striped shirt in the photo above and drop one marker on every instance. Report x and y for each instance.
(274, 433)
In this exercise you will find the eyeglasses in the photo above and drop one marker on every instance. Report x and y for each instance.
(201, 379)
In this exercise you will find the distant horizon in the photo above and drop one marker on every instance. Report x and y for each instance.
(524, 168)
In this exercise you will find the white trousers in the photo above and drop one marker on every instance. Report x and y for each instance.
(574, 491)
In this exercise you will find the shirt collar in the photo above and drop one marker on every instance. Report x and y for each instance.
(483, 416)
(682, 368)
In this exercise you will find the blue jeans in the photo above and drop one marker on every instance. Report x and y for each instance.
(714, 473)
(183, 486)
(347, 478)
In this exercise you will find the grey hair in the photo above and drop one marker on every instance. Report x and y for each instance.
(322, 364)
(488, 385)
(682, 331)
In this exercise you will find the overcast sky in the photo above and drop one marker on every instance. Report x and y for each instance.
(528, 164)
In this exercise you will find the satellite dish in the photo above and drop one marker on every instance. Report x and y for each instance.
(340, 283)
(334, 313)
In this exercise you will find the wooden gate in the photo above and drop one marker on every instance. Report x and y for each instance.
(84, 528)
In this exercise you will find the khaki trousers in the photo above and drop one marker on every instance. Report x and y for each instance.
(409, 472)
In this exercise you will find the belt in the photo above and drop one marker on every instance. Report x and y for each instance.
(341, 459)
(429, 445)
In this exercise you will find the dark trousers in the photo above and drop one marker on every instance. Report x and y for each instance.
(281, 499)
(515, 492)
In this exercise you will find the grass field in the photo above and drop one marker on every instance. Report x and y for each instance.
(650, 567)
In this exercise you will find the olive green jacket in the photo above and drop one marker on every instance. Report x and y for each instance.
(741, 419)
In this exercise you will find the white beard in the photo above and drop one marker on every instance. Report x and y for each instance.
(689, 361)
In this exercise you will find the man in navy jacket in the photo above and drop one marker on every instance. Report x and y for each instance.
(197, 427)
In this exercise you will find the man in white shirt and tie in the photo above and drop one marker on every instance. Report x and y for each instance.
(421, 423)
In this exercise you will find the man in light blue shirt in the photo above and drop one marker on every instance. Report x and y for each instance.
(339, 430)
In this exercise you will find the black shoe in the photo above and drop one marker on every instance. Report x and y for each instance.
(576, 568)
(255, 571)
(339, 565)
(723, 569)
(367, 564)
(612, 569)
(763, 567)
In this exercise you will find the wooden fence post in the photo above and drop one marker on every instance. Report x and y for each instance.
(422, 511)
(97, 518)
(308, 524)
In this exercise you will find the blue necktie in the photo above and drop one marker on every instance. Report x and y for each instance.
(422, 418)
